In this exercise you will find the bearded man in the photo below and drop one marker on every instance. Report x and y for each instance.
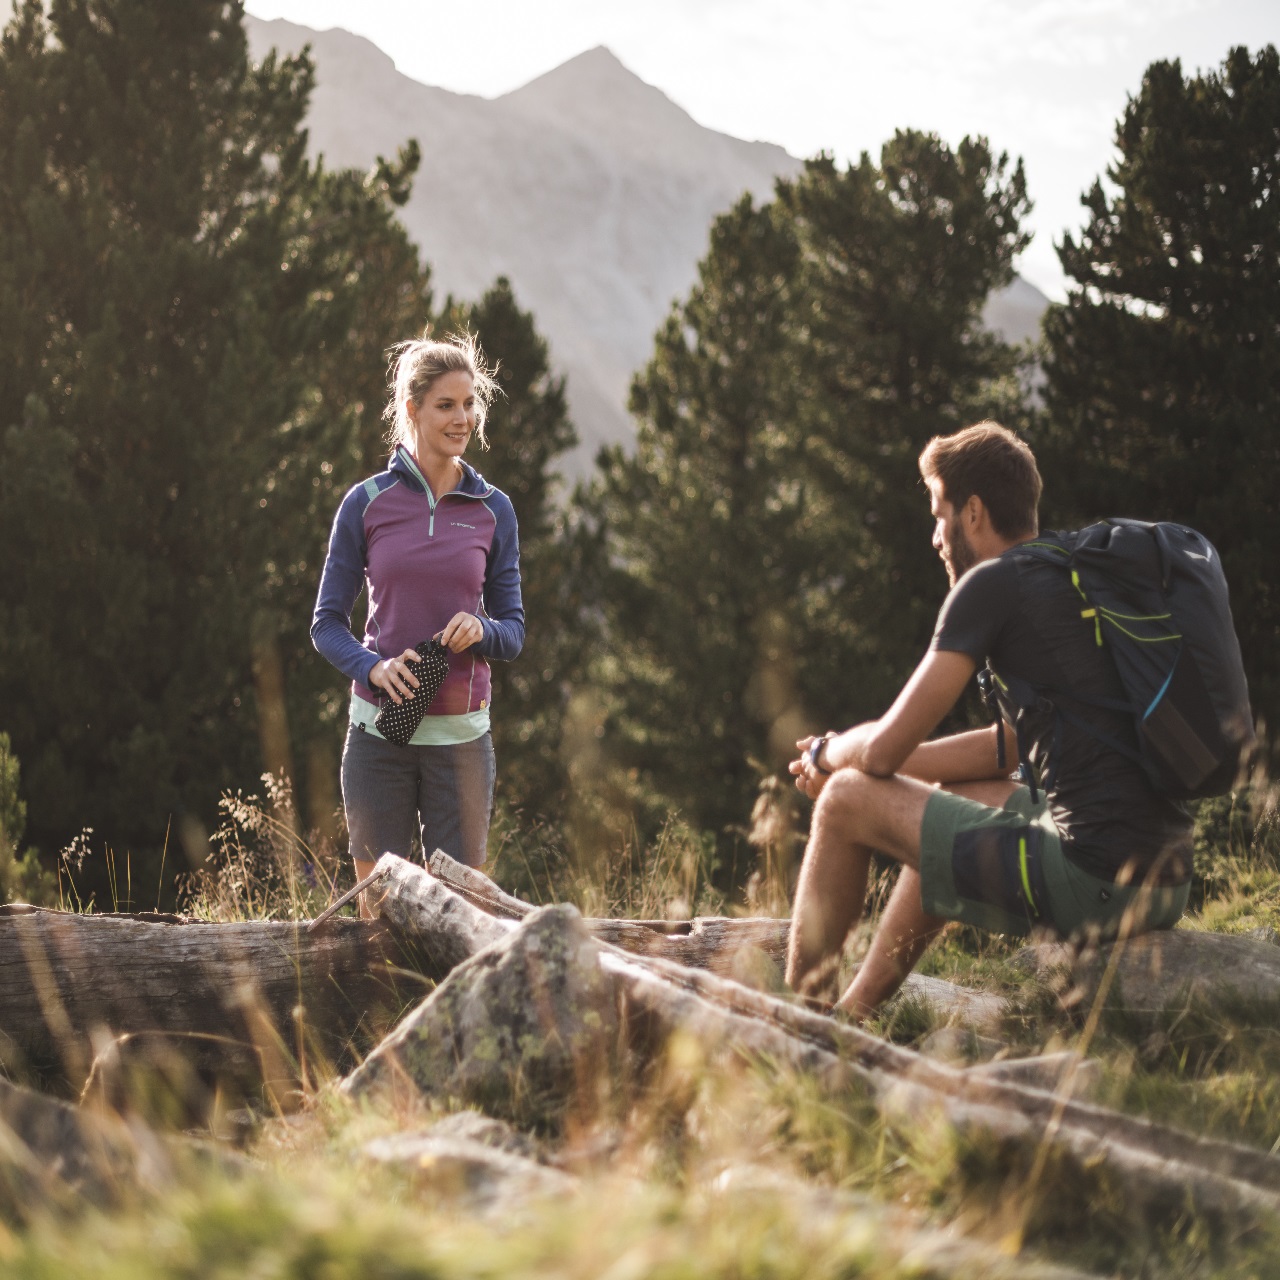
(1096, 849)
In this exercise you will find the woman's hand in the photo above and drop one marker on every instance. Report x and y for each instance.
(393, 677)
(464, 630)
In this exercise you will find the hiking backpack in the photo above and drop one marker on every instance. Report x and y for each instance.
(1155, 597)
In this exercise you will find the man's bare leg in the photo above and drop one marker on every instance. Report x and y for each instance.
(855, 814)
(901, 938)
(906, 929)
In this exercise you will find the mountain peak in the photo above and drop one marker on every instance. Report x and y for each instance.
(597, 64)
(593, 88)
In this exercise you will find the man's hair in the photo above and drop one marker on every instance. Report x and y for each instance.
(990, 461)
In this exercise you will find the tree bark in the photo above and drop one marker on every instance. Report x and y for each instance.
(722, 944)
(259, 995)
(1162, 1170)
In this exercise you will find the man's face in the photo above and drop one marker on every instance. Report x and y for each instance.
(949, 539)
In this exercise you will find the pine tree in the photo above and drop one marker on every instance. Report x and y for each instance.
(1162, 390)
(770, 572)
(22, 878)
(897, 261)
(703, 524)
(178, 292)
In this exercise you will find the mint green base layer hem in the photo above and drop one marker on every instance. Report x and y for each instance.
(434, 731)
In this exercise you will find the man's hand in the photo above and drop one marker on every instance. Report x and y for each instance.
(892, 744)
(808, 779)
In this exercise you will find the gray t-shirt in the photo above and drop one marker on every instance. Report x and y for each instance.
(1023, 617)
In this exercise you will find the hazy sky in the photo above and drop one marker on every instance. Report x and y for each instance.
(1043, 79)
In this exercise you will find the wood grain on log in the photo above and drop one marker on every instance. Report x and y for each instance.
(257, 988)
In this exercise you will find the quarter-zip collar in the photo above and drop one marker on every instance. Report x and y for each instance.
(472, 484)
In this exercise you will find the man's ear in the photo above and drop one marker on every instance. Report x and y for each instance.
(975, 514)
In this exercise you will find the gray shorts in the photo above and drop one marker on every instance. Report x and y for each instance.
(1004, 870)
(443, 795)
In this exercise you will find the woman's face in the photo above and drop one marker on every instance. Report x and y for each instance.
(445, 417)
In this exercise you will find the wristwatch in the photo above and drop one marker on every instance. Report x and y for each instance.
(815, 750)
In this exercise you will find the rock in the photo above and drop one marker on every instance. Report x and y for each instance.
(960, 1045)
(1163, 974)
(475, 1126)
(898, 1241)
(485, 1176)
(56, 1155)
(527, 1030)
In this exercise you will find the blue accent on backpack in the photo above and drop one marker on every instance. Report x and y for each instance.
(1155, 597)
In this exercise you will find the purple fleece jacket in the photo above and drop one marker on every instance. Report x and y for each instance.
(423, 559)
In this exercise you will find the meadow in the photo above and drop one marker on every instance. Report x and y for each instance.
(726, 1167)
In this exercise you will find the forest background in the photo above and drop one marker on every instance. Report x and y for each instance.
(194, 317)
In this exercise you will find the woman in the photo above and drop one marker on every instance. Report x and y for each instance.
(436, 546)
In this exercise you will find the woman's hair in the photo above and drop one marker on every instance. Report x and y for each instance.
(992, 462)
(413, 366)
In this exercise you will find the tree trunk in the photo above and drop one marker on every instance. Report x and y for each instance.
(263, 996)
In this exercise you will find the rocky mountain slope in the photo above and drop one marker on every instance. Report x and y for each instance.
(590, 189)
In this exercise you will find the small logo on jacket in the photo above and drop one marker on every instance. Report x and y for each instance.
(457, 524)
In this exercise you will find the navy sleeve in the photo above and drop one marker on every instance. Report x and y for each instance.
(977, 609)
(503, 619)
(340, 587)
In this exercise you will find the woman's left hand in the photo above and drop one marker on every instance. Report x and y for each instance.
(464, 630)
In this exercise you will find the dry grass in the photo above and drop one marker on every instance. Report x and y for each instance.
(716, 1168)
(261, 865)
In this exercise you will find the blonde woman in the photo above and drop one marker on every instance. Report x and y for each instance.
(436, 547)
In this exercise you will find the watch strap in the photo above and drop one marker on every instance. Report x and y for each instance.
(815, 753)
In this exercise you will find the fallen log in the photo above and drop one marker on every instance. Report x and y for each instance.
(1162, 1170)
(253, 1000)
(722, 944)
(749, 949)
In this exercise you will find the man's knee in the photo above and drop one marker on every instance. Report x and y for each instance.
(847, 791)
(883, 813)
(851, 799)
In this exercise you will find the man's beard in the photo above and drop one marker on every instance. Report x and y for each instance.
(960, 554)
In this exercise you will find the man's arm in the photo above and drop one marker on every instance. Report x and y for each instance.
(896, 742)
(962, 757)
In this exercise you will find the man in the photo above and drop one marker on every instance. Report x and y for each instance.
(1100, 849)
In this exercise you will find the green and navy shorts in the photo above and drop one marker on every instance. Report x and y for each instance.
(1004, 870)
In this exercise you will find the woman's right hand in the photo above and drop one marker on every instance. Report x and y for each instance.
(393, 677)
